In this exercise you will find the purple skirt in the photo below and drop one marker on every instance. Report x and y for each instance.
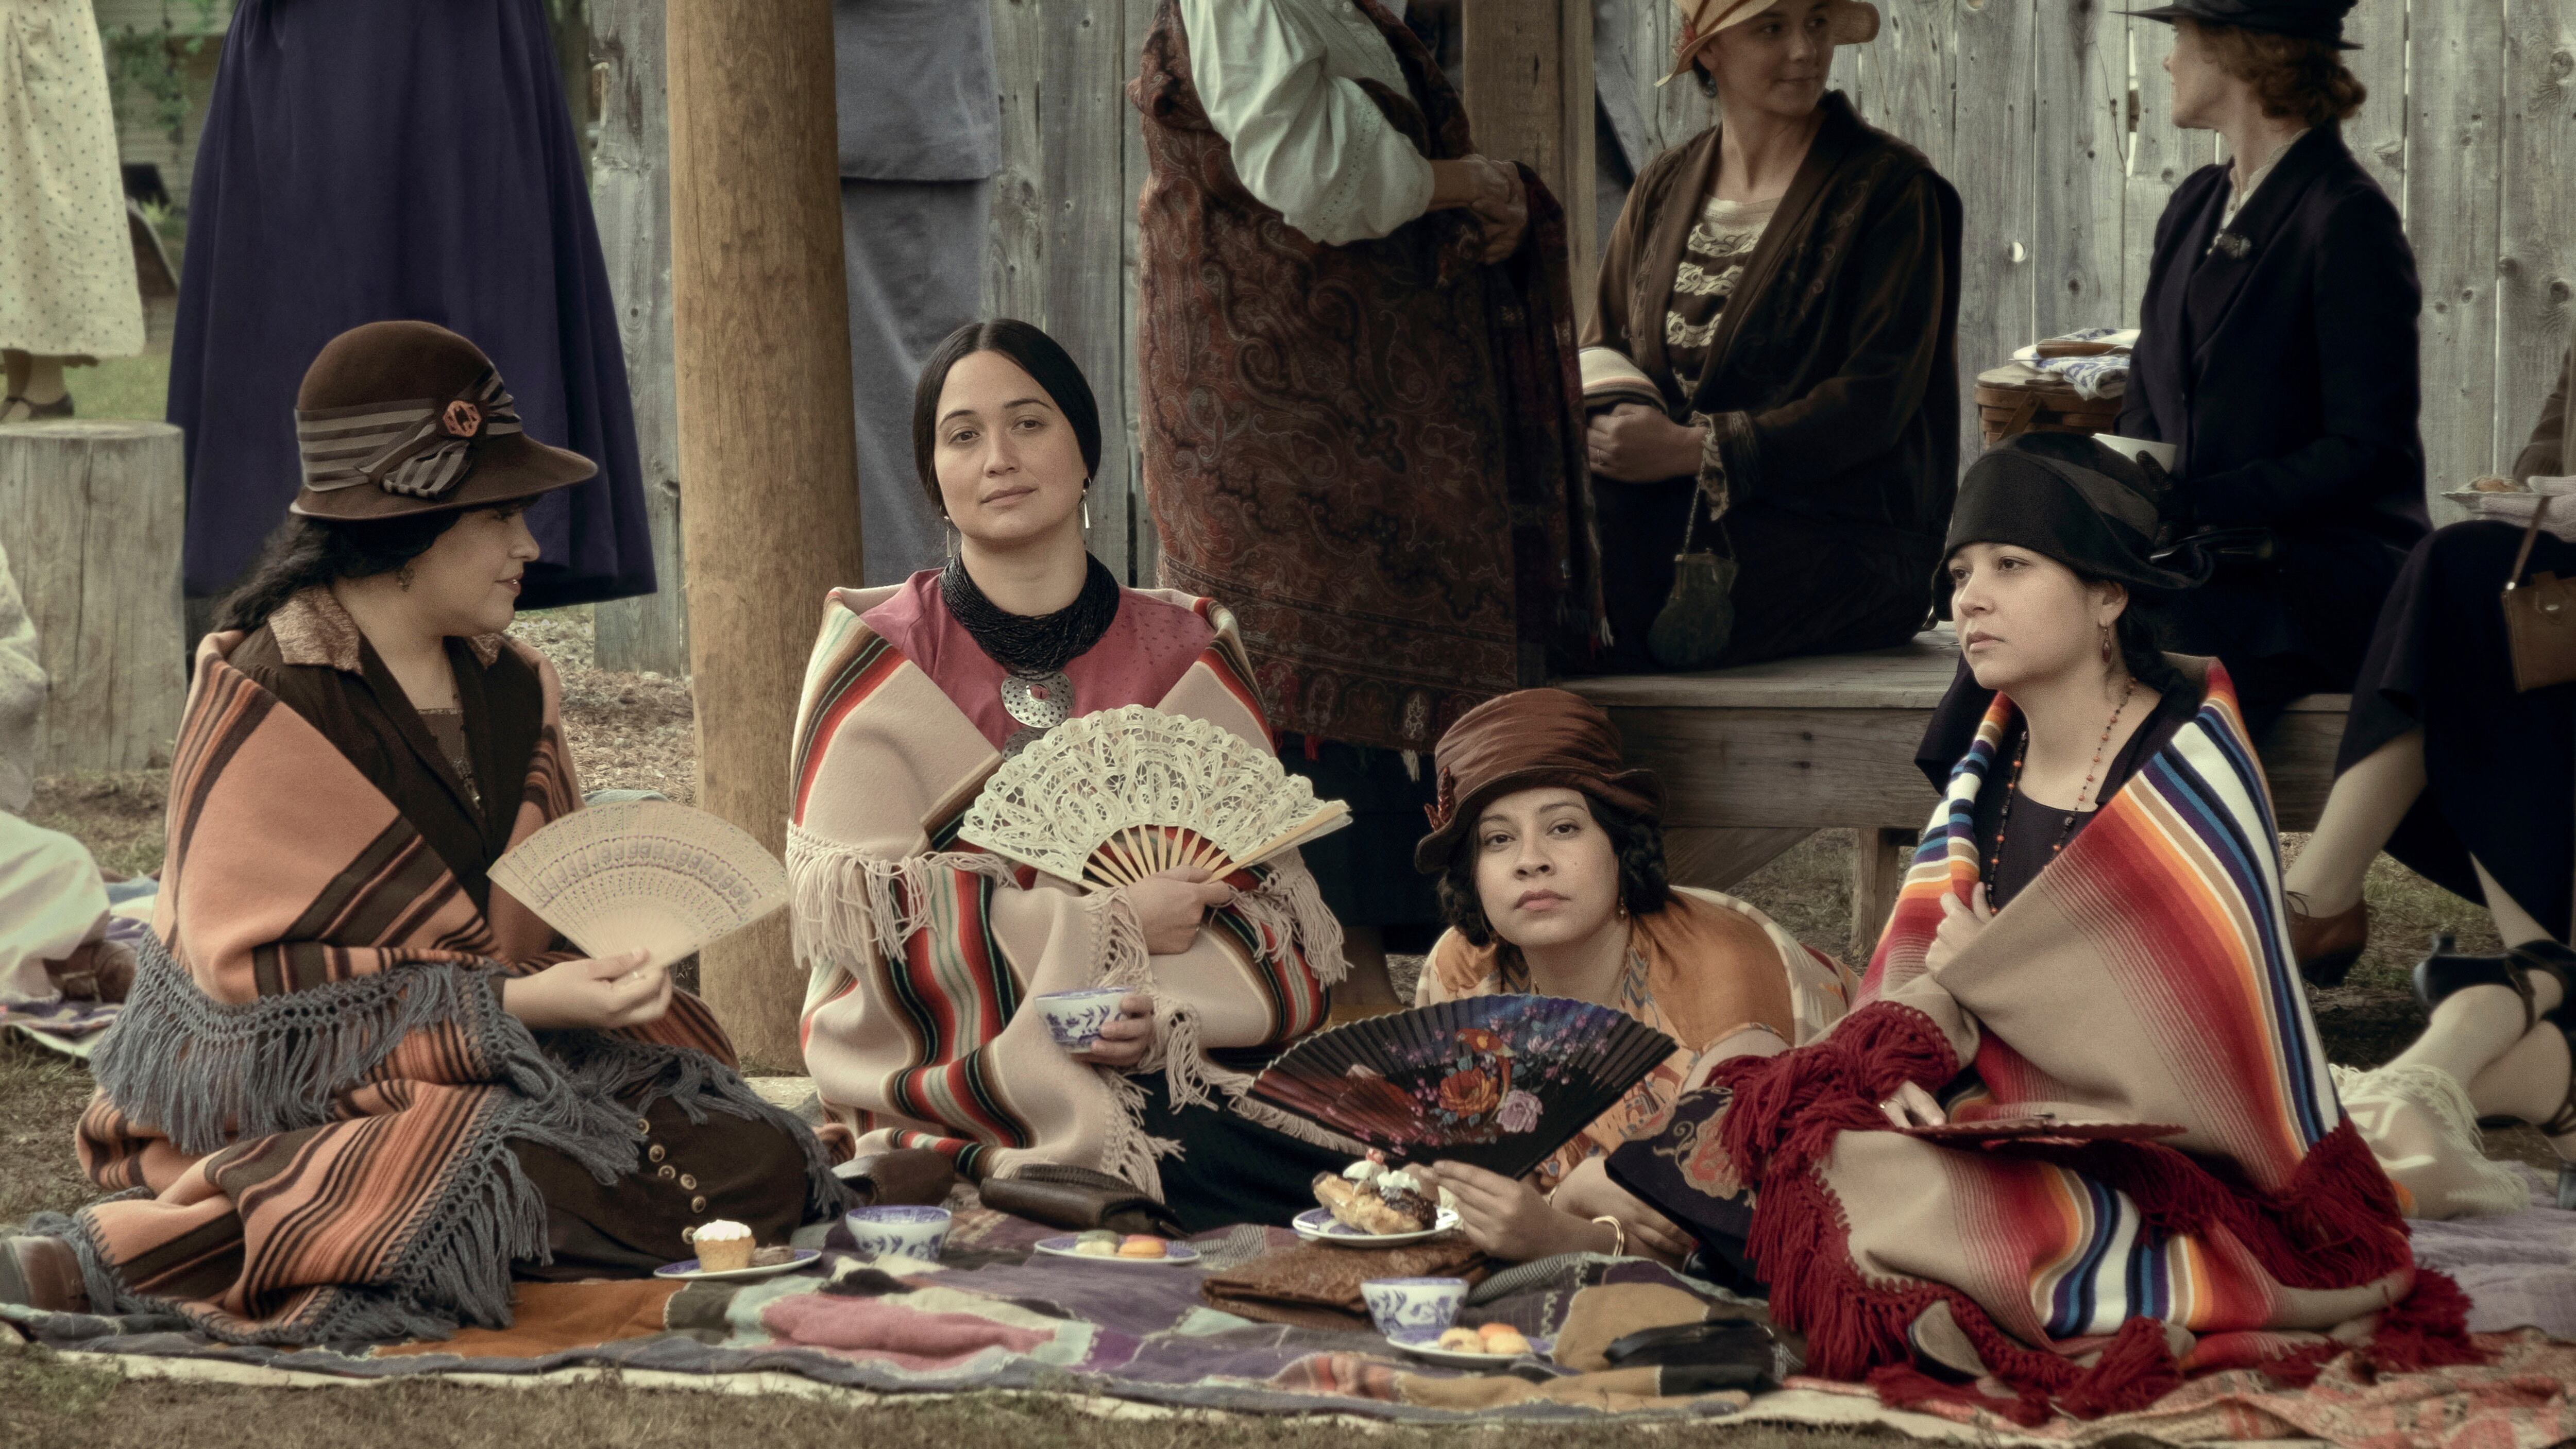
(397, 159)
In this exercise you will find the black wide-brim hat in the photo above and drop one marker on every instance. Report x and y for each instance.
(2076, 501)
(397, 418)
(2318, 20)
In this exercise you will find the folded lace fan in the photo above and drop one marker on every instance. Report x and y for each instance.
(1120, 794)
(643, 873)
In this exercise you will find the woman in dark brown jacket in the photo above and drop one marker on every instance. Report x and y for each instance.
(1785, 288)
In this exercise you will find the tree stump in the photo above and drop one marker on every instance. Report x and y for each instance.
(92, 516)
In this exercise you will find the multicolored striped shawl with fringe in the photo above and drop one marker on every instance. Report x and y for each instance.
(921, 950)
(309, 1102)
(2143, 978)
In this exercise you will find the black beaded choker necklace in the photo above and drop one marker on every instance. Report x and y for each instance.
(1033, 648)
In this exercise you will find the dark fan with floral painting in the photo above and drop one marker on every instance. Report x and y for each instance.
(1498, 1082)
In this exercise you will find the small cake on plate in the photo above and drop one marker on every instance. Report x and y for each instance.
(723, 1245)
(1098, 1243)
(1375, 1198)
(1142, 1245)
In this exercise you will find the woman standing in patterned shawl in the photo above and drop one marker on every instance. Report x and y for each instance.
(924, 951)
(1355, 337)
(2079, 1137)
(1550, 855)
(357, 1085)
(1773, 361)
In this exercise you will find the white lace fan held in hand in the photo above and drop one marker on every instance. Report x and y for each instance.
(1118, 795)
(643, 873)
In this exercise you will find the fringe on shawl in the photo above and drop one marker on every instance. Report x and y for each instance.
(842, 895)
(189, 1065)
(205, 1073)
(2334, 1225)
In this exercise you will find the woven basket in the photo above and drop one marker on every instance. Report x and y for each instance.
(2017, 398)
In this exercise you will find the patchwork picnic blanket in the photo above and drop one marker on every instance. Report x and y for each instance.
(993, 1314)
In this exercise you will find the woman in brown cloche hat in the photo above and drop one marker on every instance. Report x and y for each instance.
(360, 1087)
(1550, 855)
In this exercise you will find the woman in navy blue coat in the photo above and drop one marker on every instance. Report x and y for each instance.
(2278, 354)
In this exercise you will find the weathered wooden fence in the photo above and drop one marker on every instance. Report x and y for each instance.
(2051, 117)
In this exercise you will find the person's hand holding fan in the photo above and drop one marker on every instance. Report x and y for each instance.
(1497, 1082)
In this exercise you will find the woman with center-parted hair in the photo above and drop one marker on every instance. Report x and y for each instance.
(925, 951)
(357, 1088)
(1550, 856)
(2078, 1135)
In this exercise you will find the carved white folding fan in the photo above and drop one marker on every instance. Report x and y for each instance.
(643, 873)
(1121, 794)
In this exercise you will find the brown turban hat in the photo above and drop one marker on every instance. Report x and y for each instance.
(1523, 741)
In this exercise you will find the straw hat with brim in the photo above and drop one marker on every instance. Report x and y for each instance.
(2076, 501)
(407, 417)
(1855, 22)
(1523, 741)
(2319, 20)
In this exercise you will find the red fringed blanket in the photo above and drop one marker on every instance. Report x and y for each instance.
(2141, 987)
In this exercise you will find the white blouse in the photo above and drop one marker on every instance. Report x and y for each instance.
(1279, 80)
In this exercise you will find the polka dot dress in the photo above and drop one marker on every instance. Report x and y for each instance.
(67, 283)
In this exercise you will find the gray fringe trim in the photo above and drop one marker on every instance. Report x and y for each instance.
(207, 1075)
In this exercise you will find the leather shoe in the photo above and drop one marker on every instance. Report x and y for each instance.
(44, 1273)
(2326, 946)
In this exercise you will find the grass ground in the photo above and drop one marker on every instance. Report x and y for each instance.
(634, 731)
(48, 1402)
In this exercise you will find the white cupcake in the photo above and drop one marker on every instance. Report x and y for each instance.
(722, 1245)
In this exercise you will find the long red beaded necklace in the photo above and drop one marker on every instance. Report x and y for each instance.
(2012, 787)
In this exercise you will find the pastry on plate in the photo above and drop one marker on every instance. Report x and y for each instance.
(1098, 1243)
(723, 1245)
(1375, 1198)
(1142, 1245)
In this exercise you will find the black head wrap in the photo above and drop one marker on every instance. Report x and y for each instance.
(2069, 497)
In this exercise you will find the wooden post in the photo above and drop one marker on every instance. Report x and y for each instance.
(91, 516)
(759, 313)
(1527, 66)
(1879, 862)
(630, 190)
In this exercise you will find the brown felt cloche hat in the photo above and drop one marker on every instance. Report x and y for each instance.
(1522, 741)
(408, 417)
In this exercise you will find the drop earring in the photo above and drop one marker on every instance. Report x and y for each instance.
(1086, 508)
(2106, 643)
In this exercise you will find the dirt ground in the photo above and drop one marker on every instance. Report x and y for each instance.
(634, 731)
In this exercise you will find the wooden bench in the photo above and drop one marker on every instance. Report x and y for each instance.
(1755, 760)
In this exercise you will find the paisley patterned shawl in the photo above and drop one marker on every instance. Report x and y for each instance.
(1373, 451)
(2139, 987)
(922, 950)
(310, 1099)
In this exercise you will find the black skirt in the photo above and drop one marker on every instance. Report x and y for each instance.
(1365, 869)
(2499, 766)
(2297, 624)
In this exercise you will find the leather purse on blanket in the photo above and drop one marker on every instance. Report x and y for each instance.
(2539, 618)
(1316, 1285)
(1063, 1196)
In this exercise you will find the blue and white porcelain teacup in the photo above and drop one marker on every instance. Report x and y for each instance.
(1076, 1017)
(1412, 1307)
(902, 1232)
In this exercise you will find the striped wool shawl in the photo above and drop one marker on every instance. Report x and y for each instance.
(309, 1102)
(2142, 982)
(921, 950)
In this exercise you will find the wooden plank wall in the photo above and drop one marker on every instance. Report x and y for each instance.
(1062, 245)
(2052, 117)
(630, 192)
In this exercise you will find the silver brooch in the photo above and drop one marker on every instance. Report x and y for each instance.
(2234, 247)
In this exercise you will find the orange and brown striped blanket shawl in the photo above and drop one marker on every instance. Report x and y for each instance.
(309, 1102)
